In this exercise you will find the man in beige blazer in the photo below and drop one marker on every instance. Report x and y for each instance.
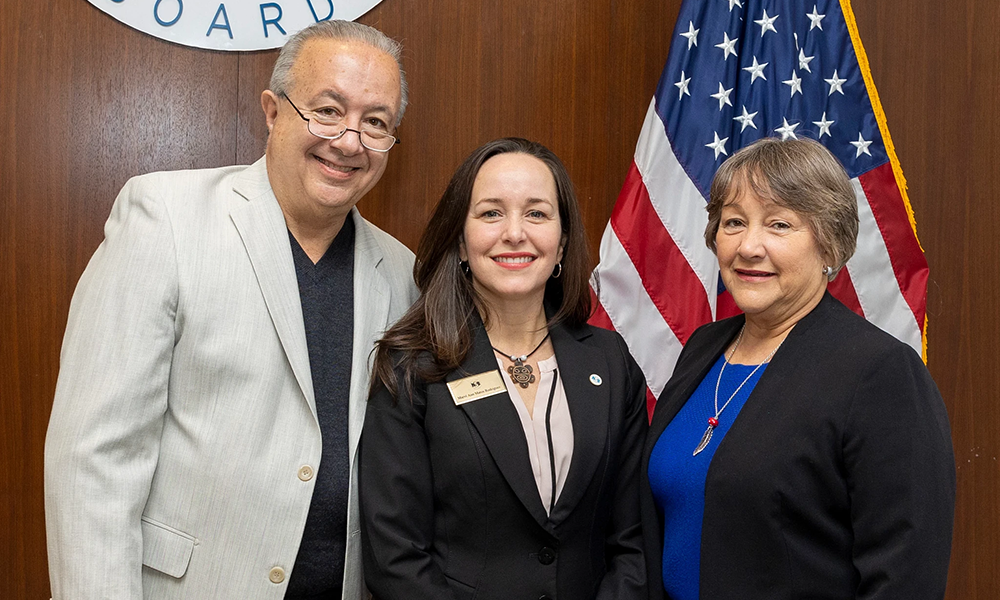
(185, 440)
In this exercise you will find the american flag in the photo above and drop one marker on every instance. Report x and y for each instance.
(739, 70)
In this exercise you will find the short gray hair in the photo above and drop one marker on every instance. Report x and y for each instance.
(800, 175)
(281, 76)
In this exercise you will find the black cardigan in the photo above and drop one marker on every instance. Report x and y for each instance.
(837, 479)
(449, 505)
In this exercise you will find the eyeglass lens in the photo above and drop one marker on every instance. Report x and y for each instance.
(371, 140)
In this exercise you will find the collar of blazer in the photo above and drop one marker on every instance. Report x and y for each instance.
(702, 350)
(261, 225)
(498, 424)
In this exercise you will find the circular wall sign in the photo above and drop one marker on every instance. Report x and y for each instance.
(229, 24)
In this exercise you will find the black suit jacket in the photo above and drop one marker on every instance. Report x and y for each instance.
(449, 504)
(837, 479)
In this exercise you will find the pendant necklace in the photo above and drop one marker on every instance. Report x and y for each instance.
(520, 373)
(713, 422)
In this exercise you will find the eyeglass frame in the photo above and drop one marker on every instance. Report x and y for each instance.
(395, 140)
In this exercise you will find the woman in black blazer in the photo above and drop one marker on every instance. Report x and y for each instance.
(500, 453)
(797, 451)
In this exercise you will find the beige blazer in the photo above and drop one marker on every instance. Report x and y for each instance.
(183, 442)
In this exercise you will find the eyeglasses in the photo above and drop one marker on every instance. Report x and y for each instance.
(329, 125)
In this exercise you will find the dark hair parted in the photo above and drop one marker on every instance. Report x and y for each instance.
(439, 324)
(798, 174)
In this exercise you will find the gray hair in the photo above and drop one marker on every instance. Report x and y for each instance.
(800, 175)
(281, 76)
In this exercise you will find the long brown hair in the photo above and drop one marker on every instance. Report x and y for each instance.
(435, 335)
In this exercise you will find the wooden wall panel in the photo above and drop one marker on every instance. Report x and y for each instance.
(936, 69)
(501, 68)
(251, 131)
(89, 103)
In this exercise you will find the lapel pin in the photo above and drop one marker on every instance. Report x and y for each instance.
(596, 379)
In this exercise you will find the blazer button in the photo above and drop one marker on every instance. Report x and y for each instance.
(546, 556)
(305, 472)
(277, 575)
(543, 597)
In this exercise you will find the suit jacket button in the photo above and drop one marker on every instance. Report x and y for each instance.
(277, 575)
(546, 556)
(544, 597)
(305, 472)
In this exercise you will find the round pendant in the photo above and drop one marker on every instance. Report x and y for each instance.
(521, 374)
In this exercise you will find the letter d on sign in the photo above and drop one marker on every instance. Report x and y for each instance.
(313, 10)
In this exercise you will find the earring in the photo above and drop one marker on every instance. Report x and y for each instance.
(558, 271)
(463, 266)
(827, 270)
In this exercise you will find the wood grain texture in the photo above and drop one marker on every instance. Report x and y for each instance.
(935, 68)
(254, 74)
(90, 103)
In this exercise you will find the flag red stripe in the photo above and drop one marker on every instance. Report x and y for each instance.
(907, 259)
(599, 318)
(672, 285)
(842, 289)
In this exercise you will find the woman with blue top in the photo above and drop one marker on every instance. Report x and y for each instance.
(798, 451)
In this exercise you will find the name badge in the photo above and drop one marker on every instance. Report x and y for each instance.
(476, 387)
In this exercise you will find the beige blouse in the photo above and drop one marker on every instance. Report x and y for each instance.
(537, 434)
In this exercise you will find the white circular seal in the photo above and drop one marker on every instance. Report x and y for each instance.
(229, 24)
(596, 379)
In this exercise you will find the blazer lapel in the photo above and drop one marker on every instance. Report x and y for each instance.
(784, 365)
(498, 424)
(589, 406)
(688, 375)
(371, 316)
(261, 225)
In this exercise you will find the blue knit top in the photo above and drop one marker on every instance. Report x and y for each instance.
(677, 478)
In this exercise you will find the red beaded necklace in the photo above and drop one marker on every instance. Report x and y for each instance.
(713, 422)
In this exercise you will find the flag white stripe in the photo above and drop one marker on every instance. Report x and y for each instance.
(633, 314)
(875, 282)
(676, 200)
